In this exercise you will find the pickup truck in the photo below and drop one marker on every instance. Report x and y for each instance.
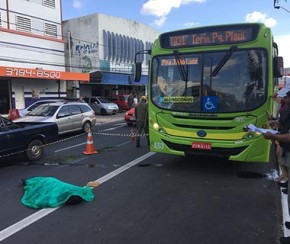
(26, 138)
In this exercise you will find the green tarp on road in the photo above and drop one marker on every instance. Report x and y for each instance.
(49, 192)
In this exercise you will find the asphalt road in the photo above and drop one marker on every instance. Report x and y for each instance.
(142, 197)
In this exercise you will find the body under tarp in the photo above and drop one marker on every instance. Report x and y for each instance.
(49, 192)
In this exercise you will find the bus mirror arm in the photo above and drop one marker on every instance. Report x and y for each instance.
(138, 64)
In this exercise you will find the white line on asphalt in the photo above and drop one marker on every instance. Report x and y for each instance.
(113, 128)
(9, 231)
(123, 144)
(67, 148)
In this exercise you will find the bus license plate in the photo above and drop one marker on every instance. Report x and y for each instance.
(201, 145)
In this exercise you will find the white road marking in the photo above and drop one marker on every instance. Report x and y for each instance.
(123, 144)
(9, 231)
(67, 148)
(113, 128)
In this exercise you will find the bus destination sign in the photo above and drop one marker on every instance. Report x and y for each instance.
(206, 37)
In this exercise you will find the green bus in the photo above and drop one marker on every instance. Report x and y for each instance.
(206, 85)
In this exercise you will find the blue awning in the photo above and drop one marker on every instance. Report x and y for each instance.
(110, 78)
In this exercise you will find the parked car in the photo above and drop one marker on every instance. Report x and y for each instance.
(69, 116)
(121, 101)
(24, 111)
(101, 105)
(130, 117)
(25, 138)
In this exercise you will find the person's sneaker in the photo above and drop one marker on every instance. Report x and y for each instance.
(283, 184)
(285, 240)
(285, 191)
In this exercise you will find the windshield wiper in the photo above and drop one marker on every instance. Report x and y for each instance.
(181, 68)
(223, 61)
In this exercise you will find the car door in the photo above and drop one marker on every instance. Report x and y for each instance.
(10, 139)
(76, 117)
(63, 120)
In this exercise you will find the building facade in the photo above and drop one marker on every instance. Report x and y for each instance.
(105, 46)
(32, 60)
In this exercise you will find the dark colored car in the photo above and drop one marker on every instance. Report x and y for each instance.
(130, 117)
(121, 101)
(25, 138)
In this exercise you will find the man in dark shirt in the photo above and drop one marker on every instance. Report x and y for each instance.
(141, 113)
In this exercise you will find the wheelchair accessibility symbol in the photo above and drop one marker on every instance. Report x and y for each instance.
(209, 104)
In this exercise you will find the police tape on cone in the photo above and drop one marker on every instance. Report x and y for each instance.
(90, 149)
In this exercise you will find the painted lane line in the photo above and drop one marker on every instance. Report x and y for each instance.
(113, 128)
(9, 231)
(67, 148)
(123, 144)
(123, 168)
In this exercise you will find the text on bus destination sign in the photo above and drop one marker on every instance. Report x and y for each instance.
(216, 37)
(183, 61)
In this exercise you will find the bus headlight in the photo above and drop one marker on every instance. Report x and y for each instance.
(156, 126)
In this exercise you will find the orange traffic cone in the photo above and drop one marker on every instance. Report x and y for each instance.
(90, 149)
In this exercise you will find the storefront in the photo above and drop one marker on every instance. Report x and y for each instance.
(106, 84)
(19, 87)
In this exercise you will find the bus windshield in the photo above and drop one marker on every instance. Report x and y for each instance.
(185, 83)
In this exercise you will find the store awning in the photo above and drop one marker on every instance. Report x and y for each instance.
(18, 72)
(111, 78)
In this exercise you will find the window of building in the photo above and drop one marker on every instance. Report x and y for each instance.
(50, 30)
(23, 24)
(48, 3)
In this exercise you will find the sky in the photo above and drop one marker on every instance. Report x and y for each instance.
(168, 15)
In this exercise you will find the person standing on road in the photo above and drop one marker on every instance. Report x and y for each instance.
(130, 101)
(141, 113)
(279, 98)
(283, 138)
(135, 100)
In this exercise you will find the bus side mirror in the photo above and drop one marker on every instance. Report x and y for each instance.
(138, 71)
(278, 67)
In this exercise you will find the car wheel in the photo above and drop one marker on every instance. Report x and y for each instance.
(103, 111)
(130, 124)
(34, 150)
(86, 126)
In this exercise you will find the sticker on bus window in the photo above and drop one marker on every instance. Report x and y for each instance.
(209, 104)
(178, 99)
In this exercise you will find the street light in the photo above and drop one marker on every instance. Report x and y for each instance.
(278, 7)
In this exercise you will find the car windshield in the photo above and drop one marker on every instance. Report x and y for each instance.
(103, 100)
(193, 83)
(44, 110)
